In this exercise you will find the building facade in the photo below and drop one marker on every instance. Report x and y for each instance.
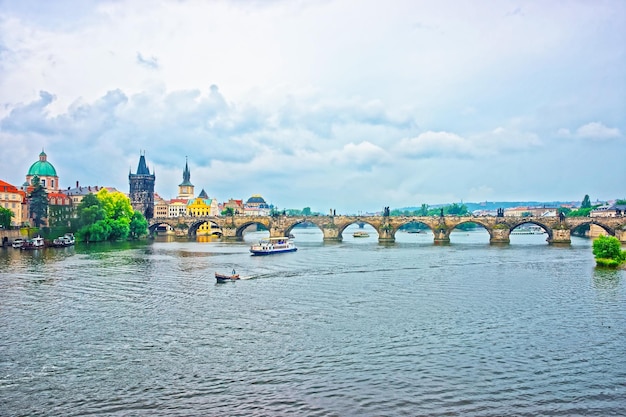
(14, 199)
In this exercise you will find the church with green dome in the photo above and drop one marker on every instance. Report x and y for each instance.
(45, 171)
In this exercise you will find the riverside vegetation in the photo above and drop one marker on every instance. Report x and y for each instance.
(608, 252)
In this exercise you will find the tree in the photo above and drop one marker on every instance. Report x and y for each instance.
(228, 211)
(138, 225)
(5, 217)
(423, 211)
(306, 211)
(456, 209)
(109, 216)
(586, 202)
(38, 202)
(90, 211)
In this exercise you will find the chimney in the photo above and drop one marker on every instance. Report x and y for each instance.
(76, 184)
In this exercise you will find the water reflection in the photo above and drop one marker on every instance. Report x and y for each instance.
(607, 278)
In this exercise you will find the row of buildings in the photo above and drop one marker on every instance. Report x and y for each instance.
(63, 202)
(611, 209)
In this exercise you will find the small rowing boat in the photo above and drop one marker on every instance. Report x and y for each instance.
(223, 277)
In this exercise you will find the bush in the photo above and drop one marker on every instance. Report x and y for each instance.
(608, 263)
(608, 247)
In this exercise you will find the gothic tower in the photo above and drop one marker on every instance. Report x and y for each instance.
(185, 188)
(142, 189)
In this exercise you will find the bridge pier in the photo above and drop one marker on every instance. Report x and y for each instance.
(331, 234)
(385, 234)
(498, 236)
(230, 233)
(621, 235)
(442, 237)
(560, 236)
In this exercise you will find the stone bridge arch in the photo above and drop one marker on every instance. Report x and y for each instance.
(298, 222)
(196, 223)
(243, 225)
(537, 222)
(153, 225)
(611, 231)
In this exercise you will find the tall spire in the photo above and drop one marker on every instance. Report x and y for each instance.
(142, 169)
(186, 176)
(186, 173)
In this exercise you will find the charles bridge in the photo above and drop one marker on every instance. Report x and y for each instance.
(558, 229)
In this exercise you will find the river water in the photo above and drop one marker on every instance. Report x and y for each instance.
(345, 329)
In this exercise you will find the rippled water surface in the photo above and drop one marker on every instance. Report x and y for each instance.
(348, 329)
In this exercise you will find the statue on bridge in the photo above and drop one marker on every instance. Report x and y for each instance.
(386, 211)
(500, 212)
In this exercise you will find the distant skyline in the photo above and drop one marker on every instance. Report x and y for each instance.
(346, 104)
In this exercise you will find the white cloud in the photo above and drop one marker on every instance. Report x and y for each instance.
(435, 144)
(411, 100)
(596, 130)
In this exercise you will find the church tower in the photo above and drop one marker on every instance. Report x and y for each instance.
(185, 188)
(142, 189)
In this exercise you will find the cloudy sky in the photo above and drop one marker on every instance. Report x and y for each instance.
(345, 104)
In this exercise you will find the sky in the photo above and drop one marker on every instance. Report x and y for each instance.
(351, 105)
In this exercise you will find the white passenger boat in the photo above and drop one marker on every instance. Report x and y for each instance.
(34, 243)
(273, 245)
(64, 241)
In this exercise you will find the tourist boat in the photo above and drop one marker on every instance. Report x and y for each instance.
(34, 243)
(528, 230)
(273, 245)
(64, 241)
(360, 233)
(223, 277)
(18, 243)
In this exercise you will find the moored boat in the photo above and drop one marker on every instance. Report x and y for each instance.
(18, 243)
(360, 233)
(224, 277)
(273, 245)
(34, 243)
(64, 241)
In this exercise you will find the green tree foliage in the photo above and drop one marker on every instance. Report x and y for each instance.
(586, 203)
(453, 210)
(38, 202)
(306, 211)
(581, 212)
(109, 216)
(456, 210)
(228, 211)
(138, 225)
(608, 247)
(5, 217)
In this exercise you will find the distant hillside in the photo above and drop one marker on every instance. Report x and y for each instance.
(494, 205)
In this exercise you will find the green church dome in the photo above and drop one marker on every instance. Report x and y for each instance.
(42, 168)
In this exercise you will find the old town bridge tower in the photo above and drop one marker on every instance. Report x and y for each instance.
(142, 189)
